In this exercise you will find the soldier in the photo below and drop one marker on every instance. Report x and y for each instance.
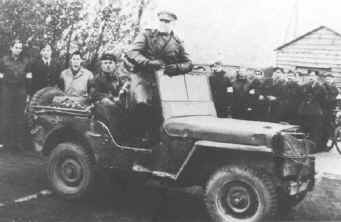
(45, 70)
(293, 98)
(220, 86)
(240, 92)
(75, 80)
(106, 85)
(270, 99)
(13, 69)
(104, 90)
(256, 100)
(154, 50)
(328, 104)
(311, 112)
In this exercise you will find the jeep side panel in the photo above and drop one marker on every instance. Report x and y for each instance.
(96, 137)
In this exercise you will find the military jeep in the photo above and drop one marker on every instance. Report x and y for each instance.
(249, 170)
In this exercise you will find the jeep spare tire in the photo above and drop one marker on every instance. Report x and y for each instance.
(239, 193)
(44, 96)
(71, 171)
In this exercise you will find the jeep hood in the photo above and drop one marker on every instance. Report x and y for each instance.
(224, 129)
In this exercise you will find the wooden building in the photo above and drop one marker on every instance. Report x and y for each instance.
(319, 49)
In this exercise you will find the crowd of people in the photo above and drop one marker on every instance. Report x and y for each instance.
(22, 77)
(308, 101)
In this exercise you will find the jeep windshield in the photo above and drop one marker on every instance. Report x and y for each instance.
(185, 95)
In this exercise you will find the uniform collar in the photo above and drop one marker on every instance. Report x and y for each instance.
(111, 76)
(171, 33)
(15, 59)
(78, 74)
(48, 61)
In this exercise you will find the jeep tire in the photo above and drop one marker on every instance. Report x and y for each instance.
(71, 171)
(239, 193)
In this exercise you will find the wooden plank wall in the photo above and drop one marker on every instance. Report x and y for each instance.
(320, 49)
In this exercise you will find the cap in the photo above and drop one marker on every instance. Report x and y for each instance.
(107, 56)
(218, 63)
(167, 15)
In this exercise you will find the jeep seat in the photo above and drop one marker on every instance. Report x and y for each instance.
(222, 130)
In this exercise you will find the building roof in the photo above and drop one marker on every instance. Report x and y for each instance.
(306, 34)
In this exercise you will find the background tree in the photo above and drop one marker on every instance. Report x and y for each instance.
(70, 25)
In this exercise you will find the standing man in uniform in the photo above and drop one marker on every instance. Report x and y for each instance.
(220, 90)
(13, 69)
(328, 104)
(240, 95)
(45, 70)
(255, 98)
(310, 111)
(154, 50)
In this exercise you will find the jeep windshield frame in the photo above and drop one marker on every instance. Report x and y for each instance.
(185, 95)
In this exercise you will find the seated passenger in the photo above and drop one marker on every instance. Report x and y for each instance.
(104, 89)
(75, 80)
(106, 84)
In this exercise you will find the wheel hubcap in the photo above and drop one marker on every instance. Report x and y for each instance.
(71, 171)
(238, 199)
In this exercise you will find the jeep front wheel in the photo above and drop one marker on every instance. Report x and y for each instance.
(235, 193)
(71, 170)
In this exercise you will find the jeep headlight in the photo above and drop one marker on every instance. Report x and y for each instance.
(289, 146)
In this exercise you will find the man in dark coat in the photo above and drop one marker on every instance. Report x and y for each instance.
(220, 85)
(293, 98)
(240, 95)
(256, 103)
(45, 70)
(328, 104)
(104, 91)
(13, 69)
(154, 50)
(106, 85)
(311, 112)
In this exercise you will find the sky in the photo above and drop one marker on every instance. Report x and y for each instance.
(245, 32)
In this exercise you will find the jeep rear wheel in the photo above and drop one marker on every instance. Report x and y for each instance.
(235, 193)
(71, 171)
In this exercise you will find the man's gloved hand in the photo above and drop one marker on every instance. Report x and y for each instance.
(155, 64)
(107, 101)
(172, 70)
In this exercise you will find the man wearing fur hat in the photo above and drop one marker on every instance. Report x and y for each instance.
(104, 91)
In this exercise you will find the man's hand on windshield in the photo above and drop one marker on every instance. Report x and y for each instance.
(155, 64)
(171, 70)
(107, 101)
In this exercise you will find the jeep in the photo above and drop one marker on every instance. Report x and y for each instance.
(249, 170)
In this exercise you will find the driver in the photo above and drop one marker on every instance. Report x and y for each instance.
(104, 90)
(106, 85)
(151, 51)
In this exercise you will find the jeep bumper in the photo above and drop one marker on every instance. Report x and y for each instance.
(299, 175)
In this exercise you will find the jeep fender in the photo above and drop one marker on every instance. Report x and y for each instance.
(79, 130)
(96, 137)
(206, 156)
